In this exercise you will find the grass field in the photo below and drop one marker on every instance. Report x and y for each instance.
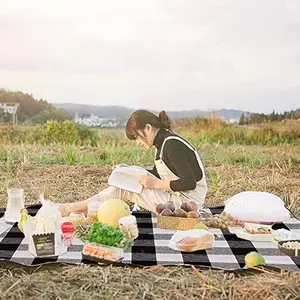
(76, 172)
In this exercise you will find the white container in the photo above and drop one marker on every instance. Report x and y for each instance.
(60, 247)
(128, 225)
(15, 203)
(256, 237)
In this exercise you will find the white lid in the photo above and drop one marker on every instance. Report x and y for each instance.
(127, 220)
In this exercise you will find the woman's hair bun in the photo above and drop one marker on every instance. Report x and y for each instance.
(165, 120)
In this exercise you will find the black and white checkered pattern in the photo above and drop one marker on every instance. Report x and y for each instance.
(151, 248)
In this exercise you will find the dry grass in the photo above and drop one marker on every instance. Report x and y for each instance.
(73, 183)
(85, 282)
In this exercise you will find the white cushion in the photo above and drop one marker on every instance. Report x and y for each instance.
(257, 206)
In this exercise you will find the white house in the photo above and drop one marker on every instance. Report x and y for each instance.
(110, 124)
(10, 108)
(91, 121)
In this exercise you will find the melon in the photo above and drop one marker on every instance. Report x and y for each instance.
(110, 211)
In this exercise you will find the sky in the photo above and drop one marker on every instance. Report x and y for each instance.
(155, 54)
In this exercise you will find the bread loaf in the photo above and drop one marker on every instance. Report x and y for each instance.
(190, 244)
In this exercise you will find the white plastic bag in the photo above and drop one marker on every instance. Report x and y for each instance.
(257, 207)
(48, 219)
(284, 235)
(191, 240)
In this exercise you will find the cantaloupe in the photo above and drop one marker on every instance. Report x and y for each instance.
(110, 211)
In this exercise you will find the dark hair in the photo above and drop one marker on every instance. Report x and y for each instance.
(140, 118)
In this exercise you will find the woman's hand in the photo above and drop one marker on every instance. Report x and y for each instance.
(148, 182)
(151, 182)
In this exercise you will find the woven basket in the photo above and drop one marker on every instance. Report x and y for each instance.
(176, 223)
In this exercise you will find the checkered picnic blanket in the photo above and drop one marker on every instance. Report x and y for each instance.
(151, 248)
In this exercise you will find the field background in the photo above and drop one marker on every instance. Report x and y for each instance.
(70, 163)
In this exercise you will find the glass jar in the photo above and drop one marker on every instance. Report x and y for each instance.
(15, 203)
(93, 208)
(77, 218)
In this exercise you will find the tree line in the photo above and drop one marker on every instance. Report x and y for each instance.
(255, 118)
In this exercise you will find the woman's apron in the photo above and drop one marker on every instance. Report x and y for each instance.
(199, 193)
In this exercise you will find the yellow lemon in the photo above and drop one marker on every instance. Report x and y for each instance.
(254, 259)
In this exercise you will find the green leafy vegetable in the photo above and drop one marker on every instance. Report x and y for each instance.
(107, 235)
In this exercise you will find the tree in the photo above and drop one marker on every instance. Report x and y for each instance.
(242, 119)
(47, 115)
(2, 115)
(5, 117)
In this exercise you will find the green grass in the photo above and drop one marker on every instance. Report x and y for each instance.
(252, 157)
(214, 131)
(218, 144)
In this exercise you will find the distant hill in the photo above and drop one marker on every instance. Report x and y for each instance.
(125, 112)
(30, 110)
(100, 111)
(226, 114)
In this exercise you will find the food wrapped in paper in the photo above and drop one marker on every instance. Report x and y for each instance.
(192, 240)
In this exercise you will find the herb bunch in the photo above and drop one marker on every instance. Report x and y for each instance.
(107, 235)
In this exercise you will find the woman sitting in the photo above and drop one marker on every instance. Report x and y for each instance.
(178, 173)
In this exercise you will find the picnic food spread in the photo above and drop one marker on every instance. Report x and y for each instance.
(100, 231)
(109, 228)
(223, 220)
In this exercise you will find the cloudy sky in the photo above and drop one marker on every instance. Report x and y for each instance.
(156, 54)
